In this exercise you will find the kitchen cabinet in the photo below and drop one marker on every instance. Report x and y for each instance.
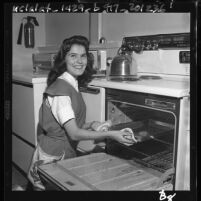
(23, 115)
(26, 100)
(94, 98)
(21, 153)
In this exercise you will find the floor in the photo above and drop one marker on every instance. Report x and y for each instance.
(19, 181)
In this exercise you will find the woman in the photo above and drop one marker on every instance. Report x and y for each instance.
(62, 114)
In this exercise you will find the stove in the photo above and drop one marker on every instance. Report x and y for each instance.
(161, 71)
(166, 86)
(158, 100)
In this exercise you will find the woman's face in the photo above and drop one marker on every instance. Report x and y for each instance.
(76, 60)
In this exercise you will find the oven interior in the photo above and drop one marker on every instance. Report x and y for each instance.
(153, 128)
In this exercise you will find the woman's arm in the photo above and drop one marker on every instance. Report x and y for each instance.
(76, 133)
(63, 112)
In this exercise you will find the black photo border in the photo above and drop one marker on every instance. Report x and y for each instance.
(177, 6)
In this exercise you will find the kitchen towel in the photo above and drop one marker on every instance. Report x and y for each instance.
(129, 136)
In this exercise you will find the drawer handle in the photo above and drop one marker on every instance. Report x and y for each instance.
(89, 90)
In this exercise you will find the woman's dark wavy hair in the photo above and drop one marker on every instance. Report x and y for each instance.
(60, 64)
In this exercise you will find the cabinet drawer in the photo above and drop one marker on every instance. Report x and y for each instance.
(23, 123)
(21, 153)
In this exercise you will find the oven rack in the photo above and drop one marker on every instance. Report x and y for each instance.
(154, 129)
(161, 161)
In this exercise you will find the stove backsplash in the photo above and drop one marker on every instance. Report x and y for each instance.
(163, 61)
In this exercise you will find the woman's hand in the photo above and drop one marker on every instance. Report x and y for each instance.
(123, 137)
(98, 126)
(94, 125)
(131, 134)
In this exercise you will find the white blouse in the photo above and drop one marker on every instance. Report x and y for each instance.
(61, 105)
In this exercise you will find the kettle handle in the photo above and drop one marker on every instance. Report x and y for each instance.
(119, 51)
(123, 51)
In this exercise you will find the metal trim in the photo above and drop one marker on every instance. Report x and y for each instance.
(27, 142)
(25, 84)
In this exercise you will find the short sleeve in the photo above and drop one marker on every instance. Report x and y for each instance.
(61, 108)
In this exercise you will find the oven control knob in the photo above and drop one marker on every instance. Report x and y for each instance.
(148, 45)
(155, 46)
(130, 46)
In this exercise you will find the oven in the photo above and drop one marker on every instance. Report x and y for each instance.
(156, 123)
(155, 104)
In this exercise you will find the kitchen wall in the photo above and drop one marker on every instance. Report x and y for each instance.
(22, 57)
(115, 26)
(63, 25)
(54, 27)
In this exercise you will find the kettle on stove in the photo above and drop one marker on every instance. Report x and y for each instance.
(123, 65)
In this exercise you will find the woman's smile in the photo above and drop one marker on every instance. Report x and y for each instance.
(76, 60)
(78, 66)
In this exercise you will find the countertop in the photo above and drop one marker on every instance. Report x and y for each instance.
(167, 86)
(29, 77)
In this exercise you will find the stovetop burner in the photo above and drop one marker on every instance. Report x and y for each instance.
(150, 77)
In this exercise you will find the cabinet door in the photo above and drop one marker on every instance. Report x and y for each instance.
(39, 88)
(21, 153)
(94, 98)
(23, 112)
